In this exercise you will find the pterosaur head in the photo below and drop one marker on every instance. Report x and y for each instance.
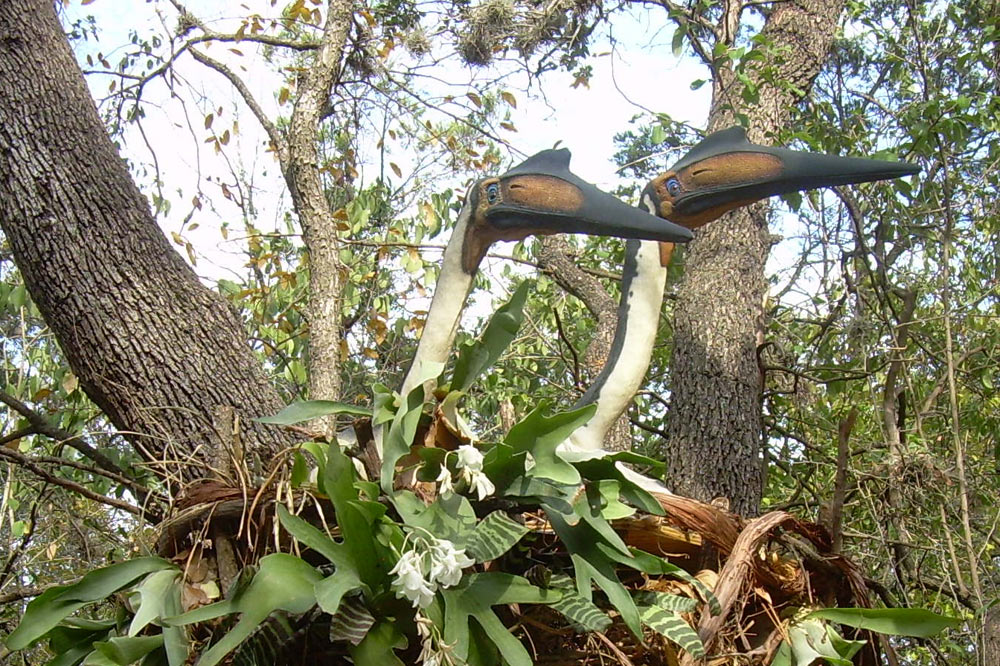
(725, 171)
(542, 196)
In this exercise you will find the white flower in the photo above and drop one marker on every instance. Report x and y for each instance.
(470, 462)
(484, 487)
(447, 562)
(410, 581)
(469, 458)
(424, 625)
(444, 478)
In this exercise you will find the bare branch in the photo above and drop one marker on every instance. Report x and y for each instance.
(272, 130)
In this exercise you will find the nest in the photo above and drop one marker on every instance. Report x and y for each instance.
(756, 569)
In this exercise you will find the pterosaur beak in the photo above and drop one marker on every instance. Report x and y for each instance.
(542, 196)
(725, 171)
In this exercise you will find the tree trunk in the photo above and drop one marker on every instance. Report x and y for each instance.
(309, 196)
(554, 259)
(715, 417)
(991, 637)
(152, 346)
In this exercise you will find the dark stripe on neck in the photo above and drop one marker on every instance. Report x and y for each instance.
(629, 272)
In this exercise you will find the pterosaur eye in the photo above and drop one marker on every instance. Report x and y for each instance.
(674, 187)
(492, 192)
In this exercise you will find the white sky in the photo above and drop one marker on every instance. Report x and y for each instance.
(642, 73)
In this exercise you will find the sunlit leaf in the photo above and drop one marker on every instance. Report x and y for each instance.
(297, 412)
(917, 622)
(56, 603)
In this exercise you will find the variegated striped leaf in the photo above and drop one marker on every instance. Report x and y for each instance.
(668, 602)
(264, 645)
(495, 535)
(351, 622)
(584, 615)
(670, 625)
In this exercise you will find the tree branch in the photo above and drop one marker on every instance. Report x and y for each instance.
(273, 134)
(28, 464)
(41, 426)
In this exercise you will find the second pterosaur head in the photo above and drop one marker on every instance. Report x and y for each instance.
(725, 171)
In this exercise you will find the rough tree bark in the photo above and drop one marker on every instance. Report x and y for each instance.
(715, 416)
(302, 173)
(153, 347)
(555, 260)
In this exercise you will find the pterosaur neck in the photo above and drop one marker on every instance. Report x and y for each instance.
(450, 293)
(643, 283)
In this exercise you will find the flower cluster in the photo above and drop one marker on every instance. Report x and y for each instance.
(470, 470)
(430, 563)
(433, 651)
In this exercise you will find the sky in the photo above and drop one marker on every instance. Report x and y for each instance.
(640, 74)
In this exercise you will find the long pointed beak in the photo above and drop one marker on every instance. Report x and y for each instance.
(725, 171)
(542, 196)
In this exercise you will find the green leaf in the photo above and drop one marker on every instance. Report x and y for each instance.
(297, 412)
(604, 495)
(283, 582)
(377, 648)
(592, 563)
(401, 433)
(300, 470)
(810, 641)
(657, 136)
(74, 639)
(347, 577)
(677, 43)
(447, 517)
(502, 466)
(539, 435)
(159, 597)
(589, 507)
(125, 650)
(583, 613)
(495, 535)
(97, 658)
(318, 452)
(355, 525)
(558, 496)
(475, 357)
(657, 566)
(474, 597)
(432, 458)
(783, 657)
(331, 590)
(57, 603)
(668, 602)
(608, 468)
(899, 621)
(673, 627)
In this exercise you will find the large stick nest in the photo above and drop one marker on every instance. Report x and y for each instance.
(757, 569)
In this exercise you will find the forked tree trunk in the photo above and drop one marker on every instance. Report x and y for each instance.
(152, 346)
(715, 416)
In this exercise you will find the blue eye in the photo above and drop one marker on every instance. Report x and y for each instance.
(492, 192)
(674, 187)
